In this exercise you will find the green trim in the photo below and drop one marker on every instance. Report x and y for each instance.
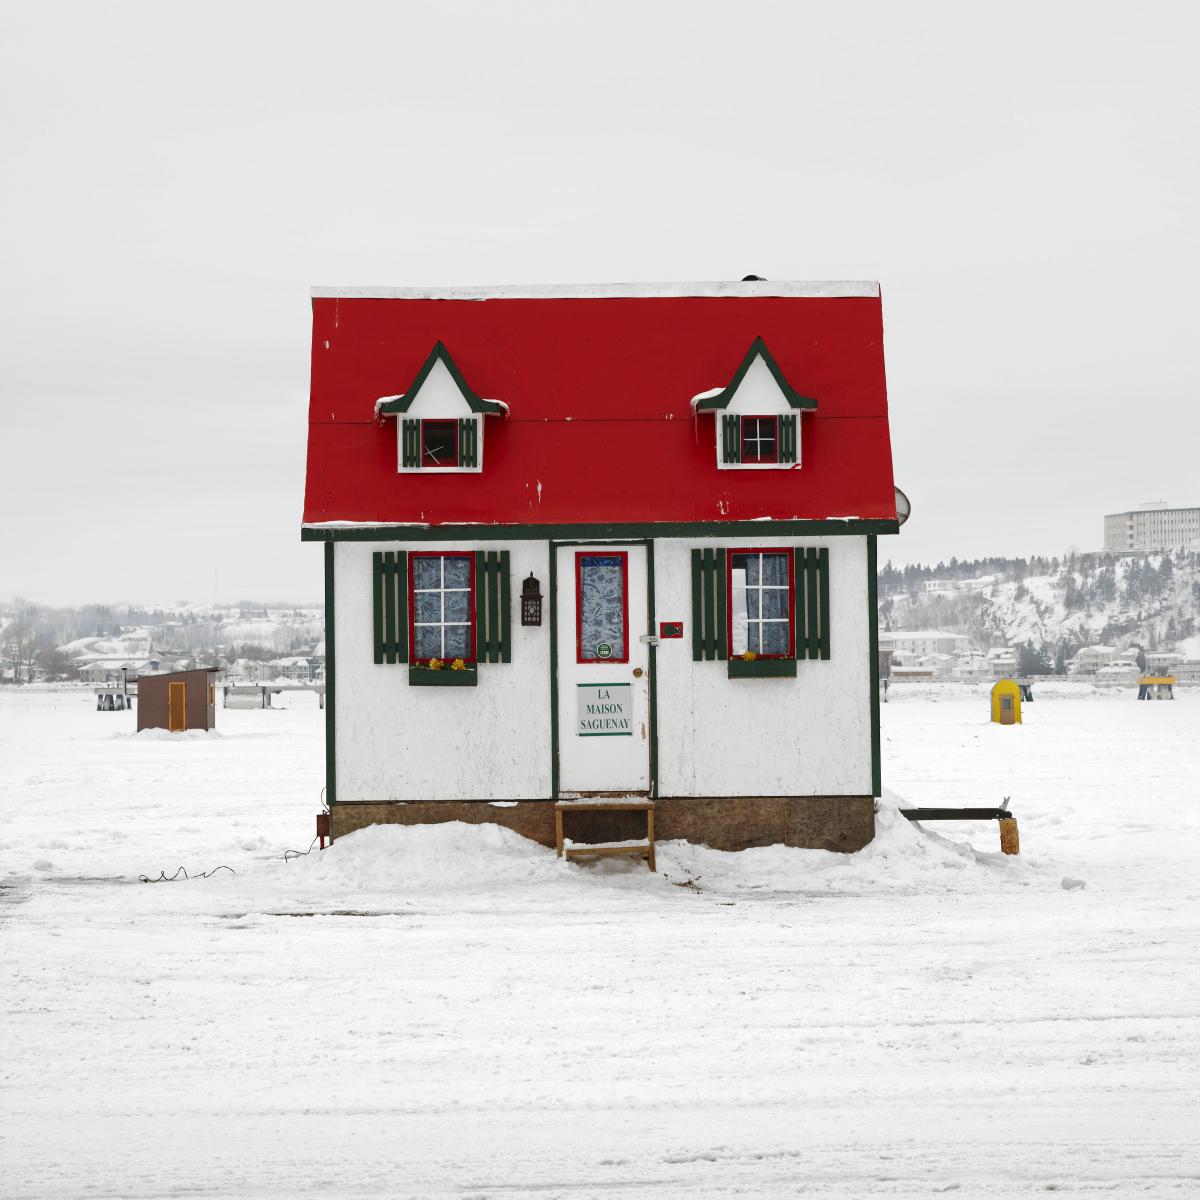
(652, 666)
(720, 575)
(787, 438)
(445, 677)
(873, 643)
(697, 591)
(630, 532)
(762, 668)
(493, 606)
(758, 349)
(493, 602)
(410, 442)
(401, 403)
(330, 684)
(376, 601)
(813, 589)
(731, 438)
(468, 442)
(823, 591)
(505, 608)
(389, 605)
(709, 558)
(553, 598)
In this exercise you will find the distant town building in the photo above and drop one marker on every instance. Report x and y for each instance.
(1152, 527)
(911, 644)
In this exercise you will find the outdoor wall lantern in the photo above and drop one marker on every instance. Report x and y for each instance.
(531, 602)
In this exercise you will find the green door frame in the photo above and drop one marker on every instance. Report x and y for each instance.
(652, 663)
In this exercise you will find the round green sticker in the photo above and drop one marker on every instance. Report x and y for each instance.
(604, 650)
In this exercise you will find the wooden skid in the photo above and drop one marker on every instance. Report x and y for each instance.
(589, 851)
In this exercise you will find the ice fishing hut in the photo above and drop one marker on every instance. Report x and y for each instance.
(1006, 702)
(603, 541)
(177, 700)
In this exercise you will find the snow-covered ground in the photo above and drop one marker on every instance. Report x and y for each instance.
(453, 1012)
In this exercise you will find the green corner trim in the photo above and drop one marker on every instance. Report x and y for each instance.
(633, 531)
(652, 666)
(330, 684)
(762, 668)
(758, 349)
(553, 589)
(439, 353)
(444, 677)
(873, 650)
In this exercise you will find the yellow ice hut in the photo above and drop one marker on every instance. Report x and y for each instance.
(1006, 702)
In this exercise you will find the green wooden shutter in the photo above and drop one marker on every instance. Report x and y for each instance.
(709, 605)
(493, 607)
(389, 574)
(731, 438)
(468, 442)
(812, 603)
(410, 442)
(788, 428)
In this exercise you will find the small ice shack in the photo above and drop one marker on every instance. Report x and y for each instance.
(177, 700)
(607, 541)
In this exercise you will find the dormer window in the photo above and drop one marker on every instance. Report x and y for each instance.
(760, 439)
(439, 443)
(757, 416)
(439, 419)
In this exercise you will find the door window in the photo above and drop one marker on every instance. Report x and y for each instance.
(602, 607)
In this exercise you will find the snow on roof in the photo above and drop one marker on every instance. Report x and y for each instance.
(604, 291)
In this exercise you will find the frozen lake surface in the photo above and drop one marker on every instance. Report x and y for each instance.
(453, 1012)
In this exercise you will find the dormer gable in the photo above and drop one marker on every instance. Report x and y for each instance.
(439, 419)
(757, 415)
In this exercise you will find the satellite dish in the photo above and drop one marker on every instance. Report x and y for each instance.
(903, 507)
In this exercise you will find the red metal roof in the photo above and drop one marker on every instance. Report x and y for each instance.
(600, 426)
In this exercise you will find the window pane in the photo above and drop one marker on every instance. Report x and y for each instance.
(458, 572)
(737, 606)
(439, 443)
(601, 605)
(775, 637)
(427, 640)
(458, 606)
(458, 641)
(427, 606)
(427, 572)
(775, 568)
(754, 638)
(752, 604)
(774, 602)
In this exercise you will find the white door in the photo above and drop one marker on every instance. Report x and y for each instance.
(603, 670)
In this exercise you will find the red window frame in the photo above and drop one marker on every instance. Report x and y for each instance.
(453, 424)
(789, 553)
(746, 458)
(413, 555)
(600, 552)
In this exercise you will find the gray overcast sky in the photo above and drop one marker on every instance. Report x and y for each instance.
(1022, 181)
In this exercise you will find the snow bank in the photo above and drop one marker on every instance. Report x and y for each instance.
(903, 858)
(453, 856)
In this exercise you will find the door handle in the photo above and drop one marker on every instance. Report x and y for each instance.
(637, 672)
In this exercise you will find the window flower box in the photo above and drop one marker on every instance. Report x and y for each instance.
(422, 675)
(762, 668)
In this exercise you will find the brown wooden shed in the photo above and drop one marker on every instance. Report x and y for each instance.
(178, 700)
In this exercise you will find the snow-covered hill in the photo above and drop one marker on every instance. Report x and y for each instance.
(1147, 600)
